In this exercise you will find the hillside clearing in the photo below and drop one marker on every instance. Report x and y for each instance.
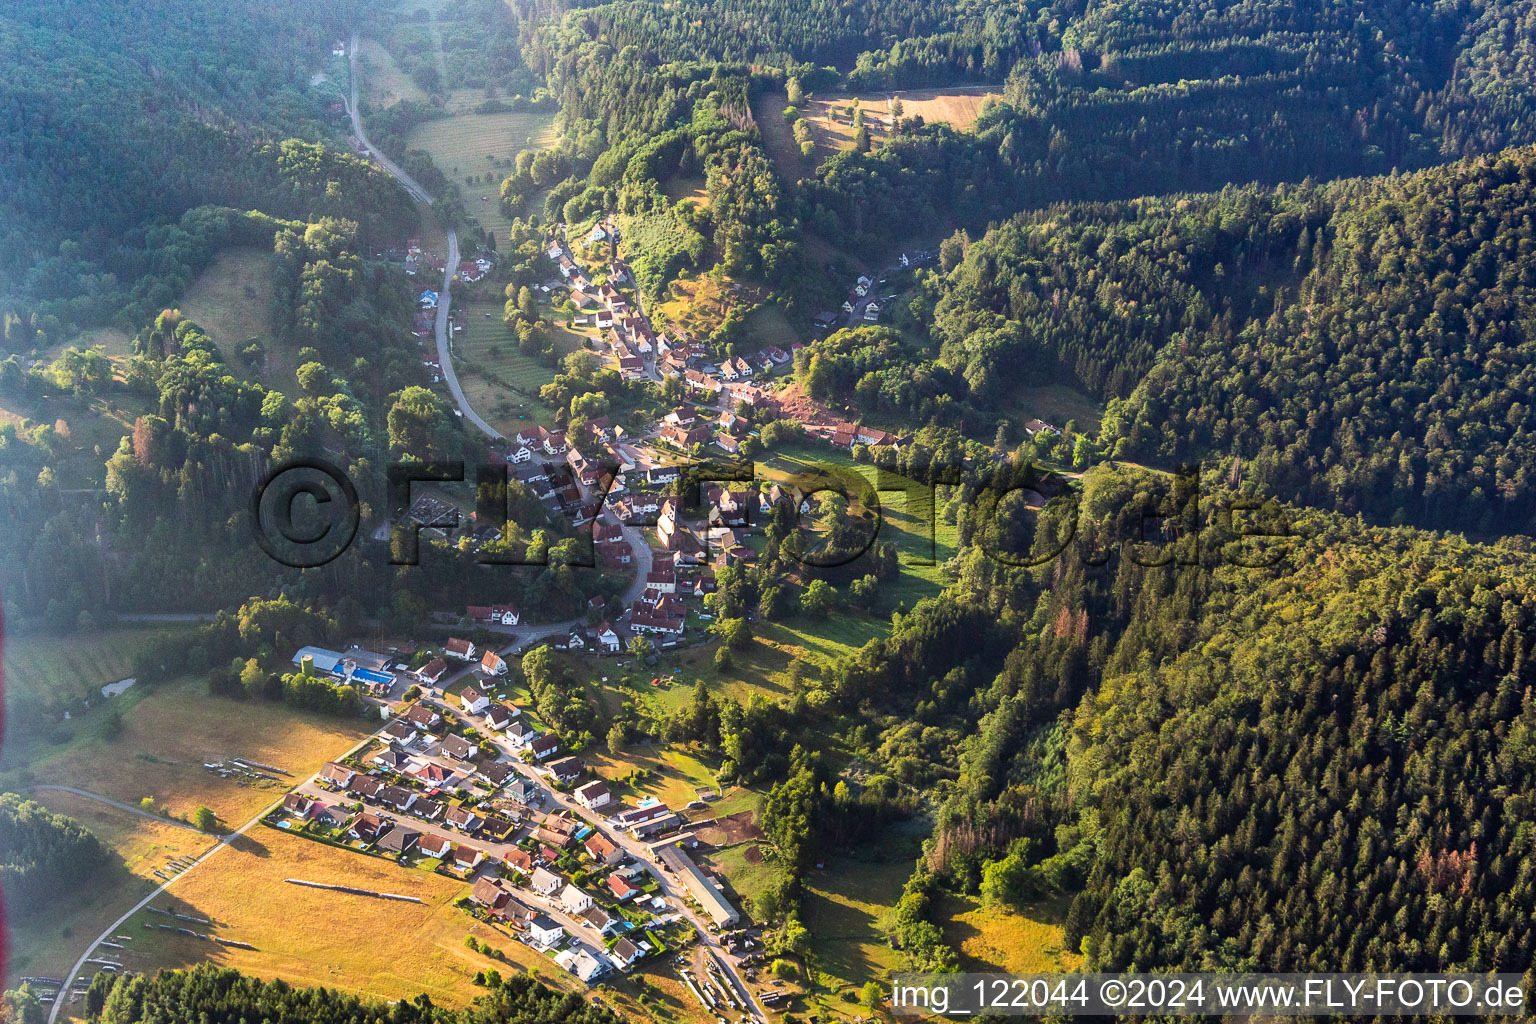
(831, 117)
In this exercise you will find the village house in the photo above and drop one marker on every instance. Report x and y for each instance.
(366, 827)
(504, 614)
(593, 795)
(574, 900)
(398, 839)
(337, 776)
(545, 882)
(517, 860)
(367, 787)
(391, 758)
(467, 856)
(644, 620)
(432, 671)
(495, 772)
(582, 963)
(492, 664)
(489, 893)
(473, 701)
(464, 819)
(604, 922)
(459, 748)
(299, 805)
(623, 954)
(603, 850)
(543, 932)
(544, 745)
(499, 715)
(607, 638)
(434, 847)
(520, 733)
(422, 717)
(620, 888)
(397, 797)
(460, 649)
(565, 769)
(400, 732)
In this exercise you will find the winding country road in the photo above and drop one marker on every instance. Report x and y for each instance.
(445, 295)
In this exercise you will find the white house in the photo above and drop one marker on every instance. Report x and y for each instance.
(543, 932)
(594, 795)
(574, 900)
(544, 882)
(473, 701)
(464, 650)
(492, 664)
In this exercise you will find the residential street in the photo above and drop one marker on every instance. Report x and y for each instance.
(633, 847)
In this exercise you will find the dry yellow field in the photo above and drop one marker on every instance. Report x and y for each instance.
(1001, 940)
(385, 948)
(831, 119)
(48, 944)
(170, 732)
(310, 936)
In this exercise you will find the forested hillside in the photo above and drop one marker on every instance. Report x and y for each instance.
(1319, 763)
(216, 996)
(129, 115)
(41, 851)
(1363, 345)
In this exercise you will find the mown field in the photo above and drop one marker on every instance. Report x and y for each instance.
(482, 147)
(307, 936)
(387, 84)
(844, 909)
(69, 666)
(500, 380)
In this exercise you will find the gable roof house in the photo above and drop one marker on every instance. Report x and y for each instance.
(544, 745)
(461, 649)
(574, 900)
(593, 795)
(434, 846)
(463, 818)
(398, 839)
(336, 775)
(432, 671)
(518, 860)
(421, 716)
(498, 716)
(624, 953)
(473, 701)
(458, 747)
(366, 827)
(620, 888)
(489, 893)
(603, 850)
(492, 664)
(544, 882)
